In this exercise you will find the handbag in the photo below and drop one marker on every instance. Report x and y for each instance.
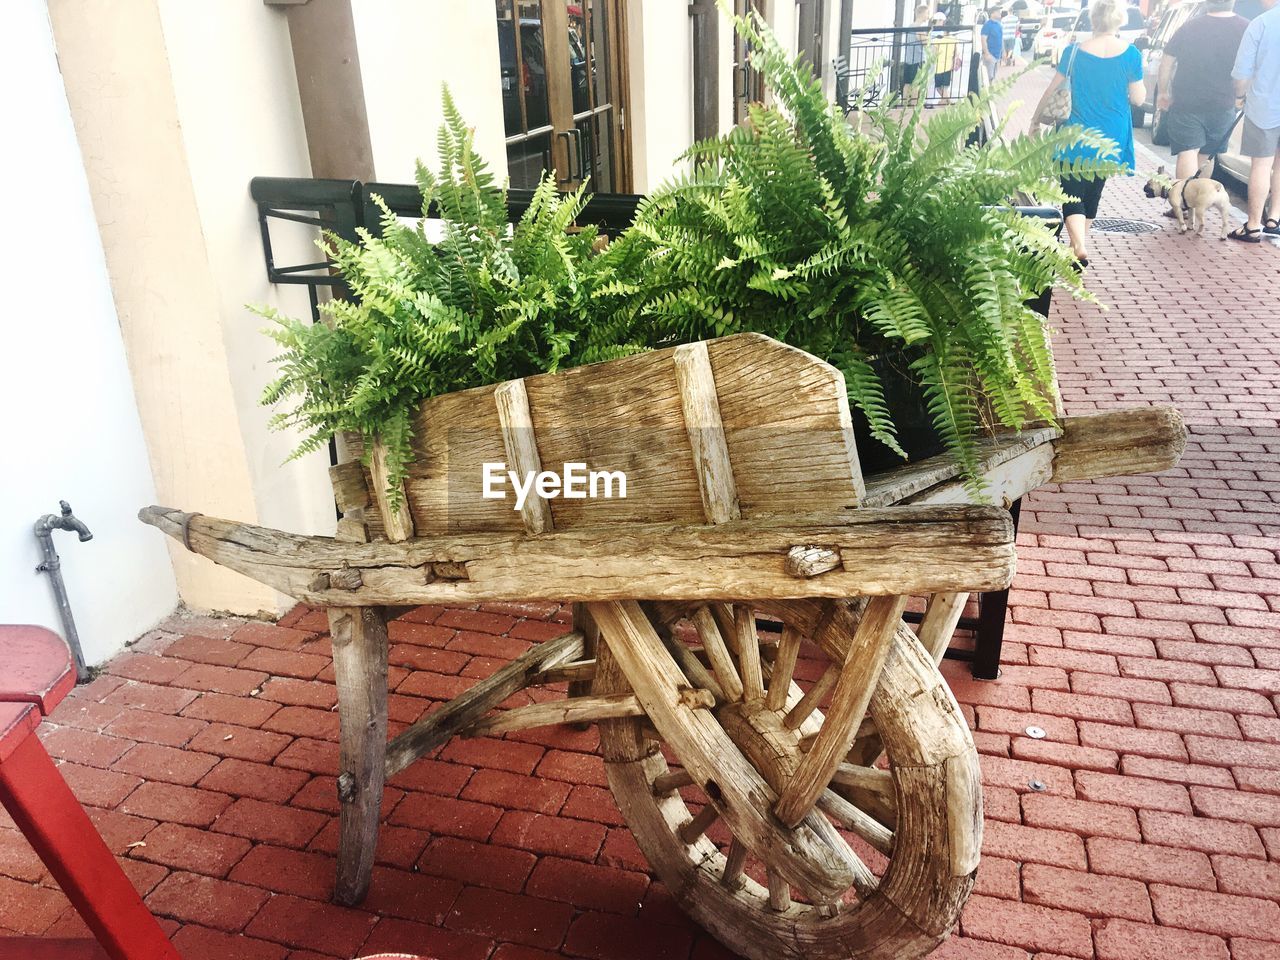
(1057, 110)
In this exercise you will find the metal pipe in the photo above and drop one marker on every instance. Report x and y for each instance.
(52, 565)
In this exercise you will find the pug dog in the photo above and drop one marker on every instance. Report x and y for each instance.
(1196, 194)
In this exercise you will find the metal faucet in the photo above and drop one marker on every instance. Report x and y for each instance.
(52, 565)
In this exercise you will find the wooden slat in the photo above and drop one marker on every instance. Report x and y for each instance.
(580, 671)
(397, 521)
(901, 483)
(585, 709)
(898, 550)
(939, 623)
(718, 652)
(522, 450)
(702, 421)
(350, 491)
(465, 709)
(859, 675)
(748, 652)
(784, 666)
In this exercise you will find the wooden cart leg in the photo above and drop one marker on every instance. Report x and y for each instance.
(359, 637)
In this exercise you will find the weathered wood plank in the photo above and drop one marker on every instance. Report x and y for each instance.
(784, 415)
(1119, 442)
(702, 422)
(359, 636)
(397, 521)
(897, 550)
(784, 666)
(467, 708)
(584, 709)
(519, 441)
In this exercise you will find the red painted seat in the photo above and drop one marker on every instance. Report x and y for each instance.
(35, 674)
(35, 667)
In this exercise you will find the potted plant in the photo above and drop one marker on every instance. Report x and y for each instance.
(892, 252)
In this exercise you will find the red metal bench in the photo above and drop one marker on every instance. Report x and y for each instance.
(35, 674)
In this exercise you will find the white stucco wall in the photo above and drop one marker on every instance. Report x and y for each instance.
(408, 48)
(236, 124)
(661, 64)
(72, 427)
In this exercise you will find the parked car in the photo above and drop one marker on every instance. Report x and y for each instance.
(1066, 29)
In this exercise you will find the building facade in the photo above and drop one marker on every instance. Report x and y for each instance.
(137, 369)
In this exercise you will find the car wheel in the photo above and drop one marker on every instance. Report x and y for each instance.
(1159, 131)
(1139, 117)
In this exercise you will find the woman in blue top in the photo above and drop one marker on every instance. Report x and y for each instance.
(1105, 74)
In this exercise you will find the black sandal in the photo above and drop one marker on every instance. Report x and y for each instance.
(1246, 234)
(1271, 227)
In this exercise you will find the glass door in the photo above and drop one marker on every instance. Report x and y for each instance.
(560, 77)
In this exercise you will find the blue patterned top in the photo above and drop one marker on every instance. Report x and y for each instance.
(1100, 97)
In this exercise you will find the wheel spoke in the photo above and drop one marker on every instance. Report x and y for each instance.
(697, 674)
(864, 778)
(701, 821)
(809, 702)
(670, 781)
(860, 822)
(748, 652)
(734, 862)
(784, 668)
(779, 892)
(864, 881)
(721, 661)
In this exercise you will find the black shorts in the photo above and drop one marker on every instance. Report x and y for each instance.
(1203, 130)
(909, 71)
(942, 81)
(1087, 194)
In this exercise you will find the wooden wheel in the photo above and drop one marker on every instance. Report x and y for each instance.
(879, 865)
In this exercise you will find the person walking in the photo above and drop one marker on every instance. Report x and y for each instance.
(913, 52)
(946, 58)
(1194, 88)
(992, 37)
(1105, 77)
(1257, 84)
(1009, 36)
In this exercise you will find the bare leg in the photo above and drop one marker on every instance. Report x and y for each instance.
(1273, 209)
(1078, 231)
(1187, 164)
(1260, 183)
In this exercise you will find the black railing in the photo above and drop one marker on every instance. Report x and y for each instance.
(884, 61)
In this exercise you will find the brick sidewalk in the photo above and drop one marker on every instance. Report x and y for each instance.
(1145, 639)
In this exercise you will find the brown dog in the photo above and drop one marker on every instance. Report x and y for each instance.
(1198, 194)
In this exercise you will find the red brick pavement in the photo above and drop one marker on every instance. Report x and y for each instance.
(1145, 640)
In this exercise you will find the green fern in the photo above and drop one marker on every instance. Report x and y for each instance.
(898, 245)
(483, 303)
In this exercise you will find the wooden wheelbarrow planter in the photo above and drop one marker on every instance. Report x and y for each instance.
(744, 500)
